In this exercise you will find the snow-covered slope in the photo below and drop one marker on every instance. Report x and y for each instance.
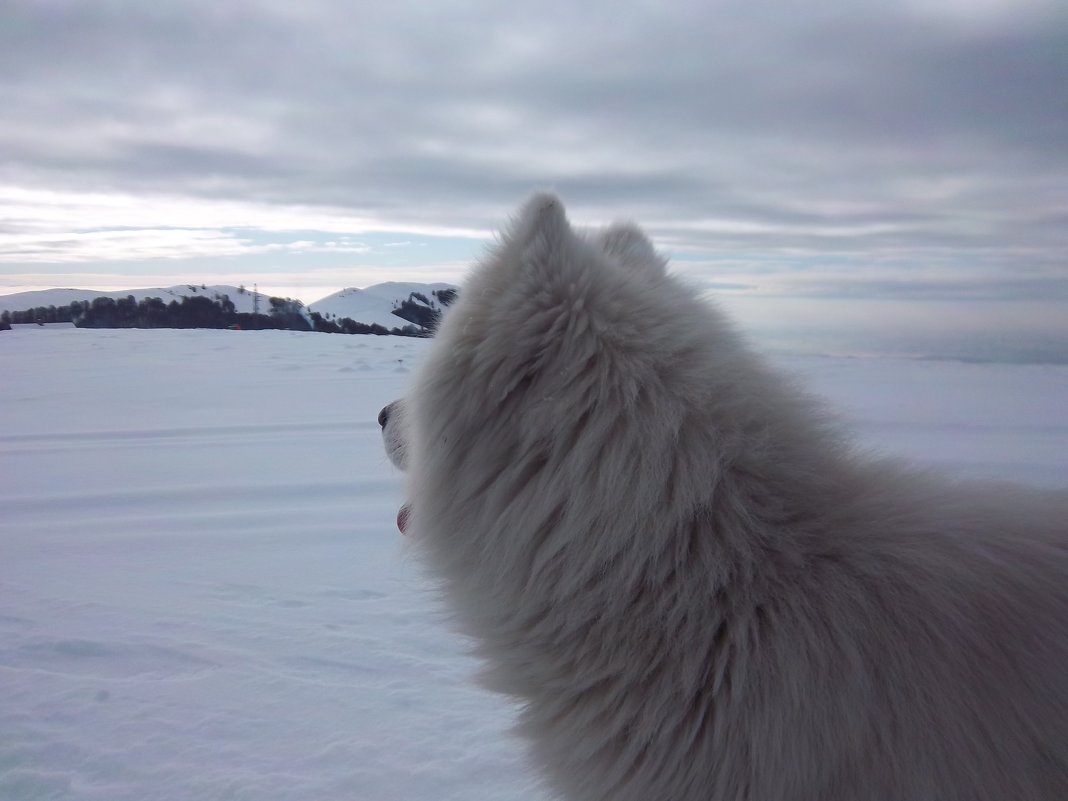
(203, 594)
(243, 300)
(374, 305)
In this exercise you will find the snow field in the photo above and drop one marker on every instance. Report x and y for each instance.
(202, 591)
(203, 594)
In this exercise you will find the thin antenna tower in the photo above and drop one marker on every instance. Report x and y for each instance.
(255, 299)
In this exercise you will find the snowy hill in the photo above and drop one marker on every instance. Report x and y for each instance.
(375, 304)
(243, 300)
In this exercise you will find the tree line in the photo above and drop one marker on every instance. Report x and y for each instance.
(203, 312)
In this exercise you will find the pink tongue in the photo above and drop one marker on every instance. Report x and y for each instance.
(402, 518)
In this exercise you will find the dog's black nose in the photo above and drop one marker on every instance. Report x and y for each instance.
(383, 416)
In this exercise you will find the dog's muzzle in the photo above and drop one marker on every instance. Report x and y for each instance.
(391, 418)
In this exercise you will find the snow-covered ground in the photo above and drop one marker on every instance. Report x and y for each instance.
(203, 594)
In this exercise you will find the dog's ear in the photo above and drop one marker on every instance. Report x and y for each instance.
(541, 244)
(628, 245)
(541, 219)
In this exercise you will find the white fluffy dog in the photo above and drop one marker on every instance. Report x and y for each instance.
(693, 585)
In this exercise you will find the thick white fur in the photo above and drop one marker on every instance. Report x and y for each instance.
(692, 584)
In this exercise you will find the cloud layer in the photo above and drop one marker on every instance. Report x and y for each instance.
(829, 148)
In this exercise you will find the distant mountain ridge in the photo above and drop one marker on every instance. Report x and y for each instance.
(243, 299)
(373, 305)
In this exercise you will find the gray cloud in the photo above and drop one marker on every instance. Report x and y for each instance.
(864, 132)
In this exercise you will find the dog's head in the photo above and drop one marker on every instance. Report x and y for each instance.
(501, 370)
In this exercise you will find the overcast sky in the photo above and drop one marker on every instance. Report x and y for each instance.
(914, 150)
